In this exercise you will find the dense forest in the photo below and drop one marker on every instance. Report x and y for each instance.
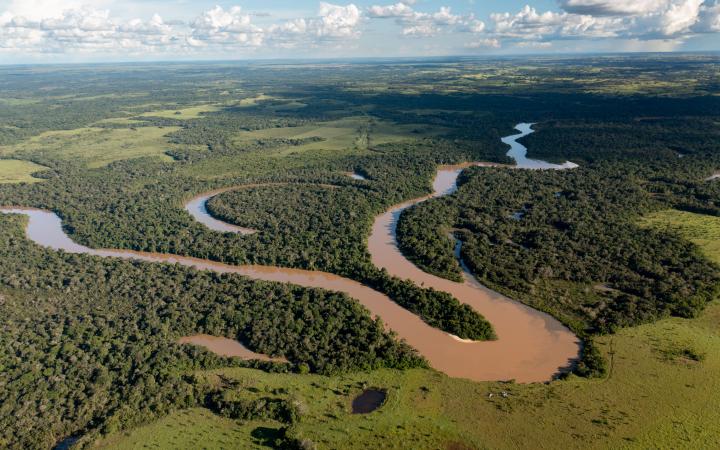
(88, 344)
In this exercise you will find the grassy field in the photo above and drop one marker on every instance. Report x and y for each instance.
(208, 431)
(183, 114)
(17, 171)
(352, 132)
(96, 147)
(344, 137)
(701, 229)
(254, 101)
(18, 101)
(193, 112)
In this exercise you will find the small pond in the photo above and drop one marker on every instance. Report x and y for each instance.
(368, 401)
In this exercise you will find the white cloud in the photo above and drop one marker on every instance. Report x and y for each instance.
(291, 27)
(534, 44)
(424, 29)
(529, 24)
(337, 20)
(680, 16)
(218, 26)
(484, 43)
(219, 20)
(445, 17)
(90, 29)
(401, 9)
(650, 45)
(709, 21)
(610, 7)
(43, 9)
(415, 23)
(476, 26)
(65, 26)
(656, 20)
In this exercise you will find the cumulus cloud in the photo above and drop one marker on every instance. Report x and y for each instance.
(609, 7)
(483, 43)
(337, 21)
(43, 9)
(41, 26)
(638, 20)
(679, 17)
(709, 21)
(534, 44)
(91, 29)
(401, 9)
(218, 26)
(416, 23)
(529, 24)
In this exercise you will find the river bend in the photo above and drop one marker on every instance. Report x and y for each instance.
(531, 347)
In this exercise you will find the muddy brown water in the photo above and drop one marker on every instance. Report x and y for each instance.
(368, 401)
(531, 346)
(197, 207)
(226, 347)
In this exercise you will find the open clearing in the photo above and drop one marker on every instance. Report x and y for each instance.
(253, 101)
(349, 133)
(96, 147)
(701, 229)
(183, 114)
(208, 431)
(18, 171)
(353, 135)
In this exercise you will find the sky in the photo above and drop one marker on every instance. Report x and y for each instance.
(62, 31)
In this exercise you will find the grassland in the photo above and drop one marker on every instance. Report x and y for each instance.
(701, 229)
(18, 171)
(18, 101)
(661, 393)
(192, 112)
(253, 101)
(208, 431)
(349, 133)
(95, 147)
(344, 137)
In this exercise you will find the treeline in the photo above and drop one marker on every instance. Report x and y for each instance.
(88, 343)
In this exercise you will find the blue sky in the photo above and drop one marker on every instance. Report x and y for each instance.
(126, 30)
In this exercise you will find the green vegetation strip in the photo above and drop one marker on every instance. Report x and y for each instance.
(18, 171)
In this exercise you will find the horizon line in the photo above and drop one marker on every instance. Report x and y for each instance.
(569, 55)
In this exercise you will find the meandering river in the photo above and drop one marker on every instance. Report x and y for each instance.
(518, 152)
(531, 346)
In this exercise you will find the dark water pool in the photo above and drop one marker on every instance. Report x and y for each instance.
(368, 401)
